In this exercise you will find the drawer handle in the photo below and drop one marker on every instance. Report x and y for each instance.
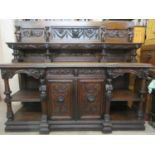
(60, 99)
(91, 98)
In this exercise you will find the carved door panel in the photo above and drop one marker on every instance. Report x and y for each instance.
(90, 98)
(60, 99)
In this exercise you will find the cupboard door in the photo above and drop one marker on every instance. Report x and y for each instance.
(90, 98)
(60, 99)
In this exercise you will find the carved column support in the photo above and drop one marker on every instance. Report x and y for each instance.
(18, 33)
(142, 99)
(133, 55)
(7, 92)
(47, 33)
(44, 128)
(18, 56)
(130, 34)
(107, 126)
(6, 75)
(48, 54)
(15, 54)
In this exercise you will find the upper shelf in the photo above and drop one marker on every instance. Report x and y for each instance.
(81, 45)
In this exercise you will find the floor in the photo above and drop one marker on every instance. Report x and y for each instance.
(148, 131)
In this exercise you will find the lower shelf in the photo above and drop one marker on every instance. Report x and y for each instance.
(124, 95)
(28, 119)
(32, 112)
(26, 96)
(29, 112)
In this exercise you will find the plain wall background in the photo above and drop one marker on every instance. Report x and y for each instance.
(7, 35)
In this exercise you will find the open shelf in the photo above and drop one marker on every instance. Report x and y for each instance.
(120, 111)
(26, 96)
(124, 95)
(29, 113)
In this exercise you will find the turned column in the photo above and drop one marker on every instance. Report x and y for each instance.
(107, 126)
(44, 128)
(7, 92)
(142, 99)
(133, 55)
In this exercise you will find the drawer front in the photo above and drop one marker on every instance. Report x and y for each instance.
(60, 99)
(90, 98)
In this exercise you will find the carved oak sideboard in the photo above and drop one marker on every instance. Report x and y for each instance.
(72, 74)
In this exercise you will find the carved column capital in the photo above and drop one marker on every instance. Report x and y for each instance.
(7, 73)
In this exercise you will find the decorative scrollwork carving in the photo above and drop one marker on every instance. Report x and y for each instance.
(75, 33)
(27, 33)
(9, 73)
(114, 73)
(60, 71)
(76, 72)
(92, 71)
(116, 33)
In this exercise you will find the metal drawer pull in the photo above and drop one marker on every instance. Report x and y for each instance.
(60, 99)
(91, 98)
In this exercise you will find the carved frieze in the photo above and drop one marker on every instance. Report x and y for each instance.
(60, 71)
(92, 71)
(75, 33)
(76, 71)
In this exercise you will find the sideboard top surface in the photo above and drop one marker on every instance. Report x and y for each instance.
(76, 64)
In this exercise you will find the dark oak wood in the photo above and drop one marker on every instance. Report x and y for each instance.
(60, 99)
(90, 98)
(26, 96)
(124, 95)
(70, 73)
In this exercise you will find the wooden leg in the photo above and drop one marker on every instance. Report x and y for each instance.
(107, 126)
(44, 128)
(142, 100)
(10, 115)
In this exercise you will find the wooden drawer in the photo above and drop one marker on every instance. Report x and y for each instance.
(60, 99)
(90, 98)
